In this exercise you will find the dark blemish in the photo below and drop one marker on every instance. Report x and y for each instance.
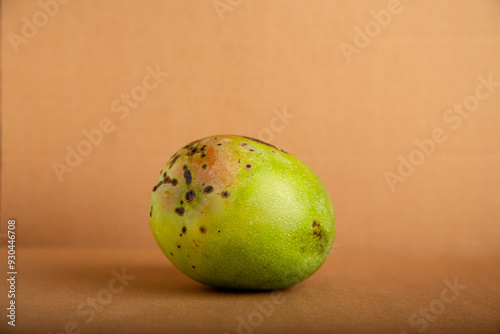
(263, 142)
(239, 160)
(244, 144)
(171, 254)
(193, 267)
(179, 211)
(151, 212)
(208, 189)
(215, 138)
(219, 231)
(203, 155)
(173, 161)
(219, 144)
(178, 246)
(182, 202)
(195, 243)
(204, 166)
(318, 230)
(157, 186)
(192, 150)
(190, 195)
(187, 175)
(203, 148)
(203, 230)
(248, 166)
(188, 255)
(164, 174)
(180, 235)
(251, 150)
(174, 182)
(184, 229)
(321, 237)
(225, 194)
(167, 180)
(273, 152)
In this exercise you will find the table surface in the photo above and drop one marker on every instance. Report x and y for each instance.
(76, 291)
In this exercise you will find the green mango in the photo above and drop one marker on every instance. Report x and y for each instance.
(234, 212)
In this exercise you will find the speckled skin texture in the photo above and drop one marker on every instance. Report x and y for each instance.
(237, 213)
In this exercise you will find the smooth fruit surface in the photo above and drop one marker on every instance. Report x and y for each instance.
(235, 212)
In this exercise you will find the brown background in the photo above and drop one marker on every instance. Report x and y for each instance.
(352, 120)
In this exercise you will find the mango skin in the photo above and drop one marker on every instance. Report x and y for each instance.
(237, 213)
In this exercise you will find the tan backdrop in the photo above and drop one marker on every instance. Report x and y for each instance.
(352, 85)
(395, 105)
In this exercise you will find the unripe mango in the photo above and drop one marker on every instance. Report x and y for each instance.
(235, 212)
